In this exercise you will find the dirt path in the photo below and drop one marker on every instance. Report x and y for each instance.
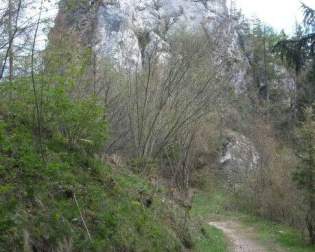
(242, 240)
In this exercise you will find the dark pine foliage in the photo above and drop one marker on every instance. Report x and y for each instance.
(299, 51)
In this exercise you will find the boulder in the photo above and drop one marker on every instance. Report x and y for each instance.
(239, 158)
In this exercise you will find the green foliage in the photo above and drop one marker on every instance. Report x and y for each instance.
(210, 239)
(268, 92)
(299, 49)
(288, 238)
(55, 192)
(216, 204)
(66, 60)
(142, 165)
(45, 202)
(205, 206)
(306, 152)
(262, 39)
(78, 123)
(305, 174)
(298, 53)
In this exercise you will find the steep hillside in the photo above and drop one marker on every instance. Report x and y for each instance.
(139, 113)
(57, 194)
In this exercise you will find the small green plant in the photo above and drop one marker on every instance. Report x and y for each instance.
(142, 166)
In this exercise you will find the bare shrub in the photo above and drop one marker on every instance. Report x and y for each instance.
(270, 189)
(156, 112)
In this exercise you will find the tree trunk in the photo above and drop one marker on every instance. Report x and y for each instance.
(311, 231)
(10, 30)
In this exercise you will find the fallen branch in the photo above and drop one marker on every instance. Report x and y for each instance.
(84, 223)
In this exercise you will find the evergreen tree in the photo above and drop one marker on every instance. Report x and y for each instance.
(299, 50)
(298, 53)
(305, 174)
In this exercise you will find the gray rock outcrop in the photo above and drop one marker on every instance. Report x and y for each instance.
(127, 30)
(239, 158)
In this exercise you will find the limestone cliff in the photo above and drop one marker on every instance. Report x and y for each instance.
(127, 30)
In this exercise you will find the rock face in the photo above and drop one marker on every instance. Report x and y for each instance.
(239, 158)
(285, 85)
(128, 30)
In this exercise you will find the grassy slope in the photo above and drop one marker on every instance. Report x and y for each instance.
(207, 238)
(213, 206)
(43, 205)
(57, 195)
(286, 237)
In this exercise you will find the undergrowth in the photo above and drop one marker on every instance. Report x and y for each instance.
(55, 192)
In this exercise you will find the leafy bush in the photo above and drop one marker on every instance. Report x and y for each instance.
(67, 199)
